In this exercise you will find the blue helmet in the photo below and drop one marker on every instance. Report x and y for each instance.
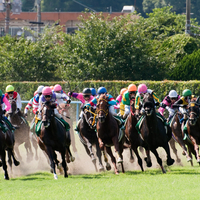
(94, 93)
(102, 90)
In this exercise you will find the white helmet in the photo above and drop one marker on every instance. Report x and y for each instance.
(40, 88)
(173, 94)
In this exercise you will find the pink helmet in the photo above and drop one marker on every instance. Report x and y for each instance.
(57, 88)
(35, 92)
(47, 91)
(142, 88)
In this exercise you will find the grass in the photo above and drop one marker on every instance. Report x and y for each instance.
(178, 183)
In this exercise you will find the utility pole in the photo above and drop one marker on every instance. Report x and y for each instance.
(39, 15)
(188, 10)
(7, 17)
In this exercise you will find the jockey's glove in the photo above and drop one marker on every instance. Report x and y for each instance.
(70, 93)
(4, 112)
(18, 109)
(37, 112)
(25, 115)
(69, 101)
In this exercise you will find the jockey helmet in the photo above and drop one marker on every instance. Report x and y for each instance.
(1, 93)
(47, 91)
(39, 89)
(132, 88)
(173, 94)
(57, 88)
(93, 91)
(122, 91)
(35, 92)
(186, 92)
(9, 88)
(142, 88)
(102, 90)
(86, 91)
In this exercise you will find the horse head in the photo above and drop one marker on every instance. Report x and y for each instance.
(193, 112)
(64, 109)
(90, 116)
(148, 104)
(132, 105)
(13, 109)
(102, 108)
(47, 113)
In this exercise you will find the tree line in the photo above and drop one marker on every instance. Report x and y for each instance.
(123, 48)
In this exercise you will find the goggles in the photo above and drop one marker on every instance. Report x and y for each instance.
(86, 96)
(173, 98)
(10, 92)
(47, 96)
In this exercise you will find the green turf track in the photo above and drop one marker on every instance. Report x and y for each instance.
(179, 183)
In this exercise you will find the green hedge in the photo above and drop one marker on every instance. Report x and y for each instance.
(162, 88)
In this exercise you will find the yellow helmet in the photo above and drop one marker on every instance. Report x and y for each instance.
(9, 88)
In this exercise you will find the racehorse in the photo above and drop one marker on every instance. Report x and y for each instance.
(22, 134)
(153, 131)
(178, 136)
(64, 111)
(53, 137)
(108, 132)
(7, 144)
(88, 137)
(193, 127)
(134, 137)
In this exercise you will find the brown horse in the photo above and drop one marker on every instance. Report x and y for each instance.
(88, 137)
(178, 136)
(64, 110)
(6, 144)
(108, 132)
(133, 136)
(22, 134)
(153, 131)
(53, 137)
(193, 127)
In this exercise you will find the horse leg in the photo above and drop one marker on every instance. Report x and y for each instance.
(190, 154)
(17, 151)
(109, 151)
(116, 144)
(196, 148)
(159, 161)
(3, 155)
(50, 154)
(148, 158)
(35, 145)
(138, 157)
(98, 153)
(71, 158)
(170, 161)
(131, 156)
(108, 167)
(172, 144)
(64, 162)
(29, 151)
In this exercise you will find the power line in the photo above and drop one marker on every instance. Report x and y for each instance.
(85, 6)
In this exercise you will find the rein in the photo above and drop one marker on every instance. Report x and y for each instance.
(95, 115)
(105, 111)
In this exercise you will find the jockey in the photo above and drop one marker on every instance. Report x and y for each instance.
(120, 105)
(142, 89)
(5, 103)
(184, 101)
(127, 96)
(29, 105)
(93, 91)
(61, 95)
(36, 99)
(85, 97)
(49, 96)
(111, 102)
(168, 102)
(12, 95)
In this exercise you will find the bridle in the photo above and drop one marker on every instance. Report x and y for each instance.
(93, 125)
(105, 111)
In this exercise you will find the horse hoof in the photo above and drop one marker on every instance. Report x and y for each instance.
(101, 169)
(178, 160)
(131, 160)
(72, 159)
(66, 176)
(16, 163)
(149, 164)
(170, 162)
(6, 177)
(183, 153)
(51, 170)
(108, 167)
(55, 176)
(116, 172)
(198, 160)
(119, 160)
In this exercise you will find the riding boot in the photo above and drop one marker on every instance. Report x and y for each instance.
(77, 129)
(12, 128)
(67, 126)
(3, 127)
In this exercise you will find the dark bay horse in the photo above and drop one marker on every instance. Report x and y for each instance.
(7, 144)
(134, 137)
(178, 135)
(64, 110)
(193, 127)
(53, 137)
(153, 131)
(22, 134)
(108, 132)
(88, 136)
